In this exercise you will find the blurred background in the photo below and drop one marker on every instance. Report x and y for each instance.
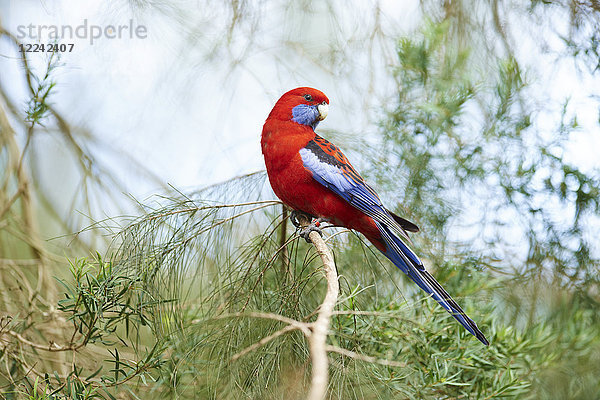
(480, 121)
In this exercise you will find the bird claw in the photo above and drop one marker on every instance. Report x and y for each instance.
(294, 217)
(315, 226)
(305, 233)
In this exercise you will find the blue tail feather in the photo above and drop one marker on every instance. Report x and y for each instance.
(405, 259)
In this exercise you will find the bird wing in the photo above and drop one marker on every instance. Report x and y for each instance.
(330, 167)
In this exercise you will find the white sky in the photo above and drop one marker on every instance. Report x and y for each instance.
(177, 124)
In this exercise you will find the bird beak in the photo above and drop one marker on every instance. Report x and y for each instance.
(323, 110)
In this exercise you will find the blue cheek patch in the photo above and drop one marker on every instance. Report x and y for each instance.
(305, 115)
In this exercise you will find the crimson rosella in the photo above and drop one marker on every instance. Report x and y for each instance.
(312, 176)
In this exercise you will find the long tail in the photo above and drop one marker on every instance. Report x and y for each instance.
(405, 259)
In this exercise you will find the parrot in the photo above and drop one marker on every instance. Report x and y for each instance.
(312, 176)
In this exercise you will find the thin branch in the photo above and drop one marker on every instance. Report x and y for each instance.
(362, 357)
(267, 265)
(264, 341)
(212, 207)
(51, 346)
(303, 326)
(10, 202)
(26, 197)
(285, 257)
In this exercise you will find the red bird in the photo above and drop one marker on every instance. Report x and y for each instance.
(312, 176)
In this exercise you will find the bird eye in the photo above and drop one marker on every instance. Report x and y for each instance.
(308, 97)
(324, 103)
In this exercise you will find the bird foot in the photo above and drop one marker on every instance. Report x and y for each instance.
(315, 226)
(294, 217)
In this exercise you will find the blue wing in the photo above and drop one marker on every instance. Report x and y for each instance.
(331, 168)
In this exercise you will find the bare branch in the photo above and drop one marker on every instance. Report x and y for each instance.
(51, 346)
(263, 341)
(318, 339)
(363, 357)
(303, 326)
(285, 257)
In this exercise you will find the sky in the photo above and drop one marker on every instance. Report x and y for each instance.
(206, 113)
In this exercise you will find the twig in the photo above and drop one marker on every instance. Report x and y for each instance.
(363, 357)
(285, 257)
(264, 341)
(303, 326)
(10, 202)
(51, 346)
(212, 207)
(318, 339)
(292, 325)
(267, 265)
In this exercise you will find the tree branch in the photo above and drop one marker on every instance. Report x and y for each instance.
(357, 356)
(264, 341)
(285, 257)
(318, 339)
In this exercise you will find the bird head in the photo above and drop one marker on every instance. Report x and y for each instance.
(303, 105)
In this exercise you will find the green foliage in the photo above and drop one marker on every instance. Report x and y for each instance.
(38, 107)
(460, 135)
(457, 135)
(213, 298)
(180, 307)
(101, 299)
(108, 312)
